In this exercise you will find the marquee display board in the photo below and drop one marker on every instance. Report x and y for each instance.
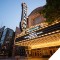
(35, 34)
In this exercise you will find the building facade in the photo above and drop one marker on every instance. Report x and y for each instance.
(7, 41)
(40, 38)
(1, 33)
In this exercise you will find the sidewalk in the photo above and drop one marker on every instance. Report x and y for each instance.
(24, 58)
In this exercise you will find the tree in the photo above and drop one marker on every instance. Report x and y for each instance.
(51, 10)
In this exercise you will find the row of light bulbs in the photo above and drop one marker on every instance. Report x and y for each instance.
(18, 43)
(46, 34)
(23, 33)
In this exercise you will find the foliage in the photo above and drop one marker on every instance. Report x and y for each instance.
(51, 10)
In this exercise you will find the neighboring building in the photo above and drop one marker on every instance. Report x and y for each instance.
(7, 41)
(1, 31)
(18, 31)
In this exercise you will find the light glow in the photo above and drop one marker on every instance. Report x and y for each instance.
(50, 44)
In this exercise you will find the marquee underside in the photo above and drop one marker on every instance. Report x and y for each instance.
(41, 42)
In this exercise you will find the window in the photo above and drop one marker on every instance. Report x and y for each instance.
(37, 20)
(5, 31)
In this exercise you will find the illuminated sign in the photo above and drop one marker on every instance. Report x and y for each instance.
(24, 16)
(33, 35)
(32, 32)
(32, 29)
(41, 32)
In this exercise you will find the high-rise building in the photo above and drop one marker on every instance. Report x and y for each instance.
(7, 41)
(1, 31)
